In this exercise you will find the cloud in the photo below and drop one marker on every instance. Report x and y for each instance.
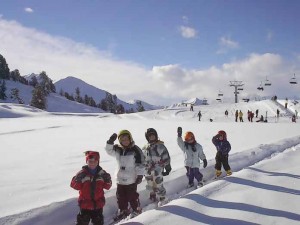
(187, 32)
(60, 57)
(28, 10)
(227, 44)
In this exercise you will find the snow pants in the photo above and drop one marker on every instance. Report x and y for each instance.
(221, 160)
(193, 173)
(85, 215)
(127, 194)
(154, 180)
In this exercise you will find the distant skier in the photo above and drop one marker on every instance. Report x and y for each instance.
(192, 107)
(90, 182)
(241, 116)
(223, 148)
(256, 113)
(199, 115)
(236, 115)
(277, 115)
(157, 159)
(193, 152)
(226, 113)
(294, 118)
(130, 173)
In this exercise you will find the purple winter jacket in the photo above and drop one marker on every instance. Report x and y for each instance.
(223, 146)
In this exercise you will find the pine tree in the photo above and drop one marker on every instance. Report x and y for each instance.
(140, 107)
(4, 70)
(2, 90)
(46, 83)
(38, 98)
(14, 95)
(78, 98)
(33, 81)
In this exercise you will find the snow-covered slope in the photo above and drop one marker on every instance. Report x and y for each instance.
(55, 102)
(70, 84)
(264, 187)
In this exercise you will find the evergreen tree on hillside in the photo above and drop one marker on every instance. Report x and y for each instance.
(120, 109)
(4, 70)
(14, 95)
(46, 83)
(38, 99)
(140, 107)
(2, 90)
(78, 98)
(103, 105)
(33, 81)
(15, 76)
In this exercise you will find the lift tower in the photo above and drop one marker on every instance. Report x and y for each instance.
(236, 85)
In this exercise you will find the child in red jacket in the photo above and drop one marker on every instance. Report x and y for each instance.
(90, 182)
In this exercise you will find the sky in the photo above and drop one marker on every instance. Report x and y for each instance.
(139, 48)
(264, 187)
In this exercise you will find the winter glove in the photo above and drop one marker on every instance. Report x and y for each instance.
(79, 176)
(106, 177)
(204, 163)
(139, 179)
(112, 139)
(167, 170)
(179, 131)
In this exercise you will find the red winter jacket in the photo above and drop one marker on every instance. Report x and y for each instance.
(91, 194)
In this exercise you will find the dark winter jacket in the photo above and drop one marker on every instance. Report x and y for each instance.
(91, 194)
(223, 146)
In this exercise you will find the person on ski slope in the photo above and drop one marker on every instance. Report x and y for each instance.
(193, 152)
(157, 159)
(223, 148)
(130, 172)
(90, 182)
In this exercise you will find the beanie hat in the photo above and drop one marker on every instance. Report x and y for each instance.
(92, 155)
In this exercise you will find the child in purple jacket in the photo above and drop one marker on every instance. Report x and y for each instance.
(223, 148)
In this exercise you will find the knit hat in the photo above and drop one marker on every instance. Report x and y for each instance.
(92, 155)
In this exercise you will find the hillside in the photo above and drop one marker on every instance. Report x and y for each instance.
(69, 84)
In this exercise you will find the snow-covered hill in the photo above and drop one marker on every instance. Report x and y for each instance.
(70, 84)
(55, 102)
(37, 168)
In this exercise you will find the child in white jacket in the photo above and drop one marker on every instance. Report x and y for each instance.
(193, 152)
(131, 169)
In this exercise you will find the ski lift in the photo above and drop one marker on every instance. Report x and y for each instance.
(240, 89)
(267, 82)
(220, 94)
(293, 80)
(260, 88)
(218, 99)
(246, 99)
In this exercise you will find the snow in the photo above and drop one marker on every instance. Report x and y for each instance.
(41, 151)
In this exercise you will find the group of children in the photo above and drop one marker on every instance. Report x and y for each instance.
(152, 162)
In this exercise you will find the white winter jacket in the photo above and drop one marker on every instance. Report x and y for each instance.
(191, 158)
(130, 162)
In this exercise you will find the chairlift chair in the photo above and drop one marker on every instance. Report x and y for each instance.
(267, 82)
(220, 94)
(293, 80)
(260, 88)
(240, 89)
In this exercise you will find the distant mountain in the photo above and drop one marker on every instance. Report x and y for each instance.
(69, 84)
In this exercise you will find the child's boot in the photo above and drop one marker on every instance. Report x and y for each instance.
(218, 173)
(122, 214)
(200, 184)
(162, 201)
(136, 212)
(153, 196)
(190, 185)
(228, 172)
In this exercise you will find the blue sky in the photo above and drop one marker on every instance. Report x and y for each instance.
(189, 36)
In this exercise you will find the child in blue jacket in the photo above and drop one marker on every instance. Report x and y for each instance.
(223, 149)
